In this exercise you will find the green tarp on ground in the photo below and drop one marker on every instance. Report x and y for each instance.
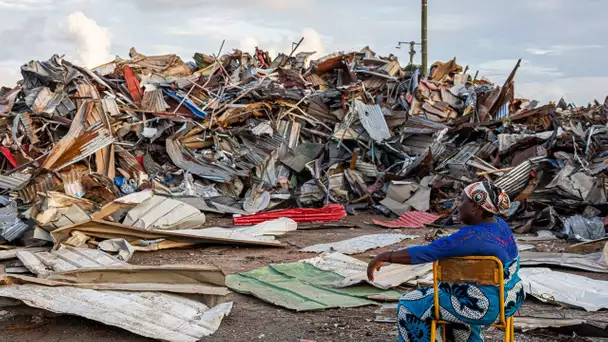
(301, 286)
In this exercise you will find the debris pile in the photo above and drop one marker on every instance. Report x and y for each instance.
(136, 154)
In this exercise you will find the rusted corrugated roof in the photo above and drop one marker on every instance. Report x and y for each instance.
(316, 80)
(413, 219)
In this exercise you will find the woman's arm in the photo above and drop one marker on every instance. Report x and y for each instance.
(457, 244)
(401, 256)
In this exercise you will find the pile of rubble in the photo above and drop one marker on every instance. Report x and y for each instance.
(137, 153)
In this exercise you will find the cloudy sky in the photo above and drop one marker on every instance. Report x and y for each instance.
(562, 42)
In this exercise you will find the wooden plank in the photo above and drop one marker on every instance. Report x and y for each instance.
(32, 263)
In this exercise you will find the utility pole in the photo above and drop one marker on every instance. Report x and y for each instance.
(412, 49)
(424, 40)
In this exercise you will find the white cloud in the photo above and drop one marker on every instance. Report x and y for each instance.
(25, 5)
(580, 90)
(539, 52)
(501, 68)
(545, 4)
(438, 22)
(92, 41)
(313, 41)
(231, 29)
(10, 72)
(248, 44)
(172, 5)
(557, 50)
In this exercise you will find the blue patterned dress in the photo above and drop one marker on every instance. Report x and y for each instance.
(467, 306)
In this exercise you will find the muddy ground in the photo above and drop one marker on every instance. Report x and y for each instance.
(252, 319)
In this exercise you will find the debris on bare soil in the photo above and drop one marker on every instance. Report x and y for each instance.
(251, 162)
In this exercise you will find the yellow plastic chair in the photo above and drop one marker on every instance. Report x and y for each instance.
(480, 270)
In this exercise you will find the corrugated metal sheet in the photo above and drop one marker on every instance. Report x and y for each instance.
(290, 131)
(154, 101)
(316, 80)
(207, 171)
(11, 227)
(567, 289)
(419, 143)
(302, 287)
(517, 179)
(331, 212)
(372, 119)
(42, 183)
(15, 181)
(367, 169)
(99, 137)
(412, 219)
(503, 111)
(359, 244)
(586, 262)
(466, 152)
(151, 314)
(419, 122)
(354, 271)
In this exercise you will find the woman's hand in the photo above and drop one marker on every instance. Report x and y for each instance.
(376, 264)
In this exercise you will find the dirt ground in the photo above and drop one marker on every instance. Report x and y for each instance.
(253, 320)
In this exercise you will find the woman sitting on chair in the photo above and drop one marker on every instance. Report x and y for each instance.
(467, 307)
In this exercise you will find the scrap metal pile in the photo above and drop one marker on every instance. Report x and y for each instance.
(133, 155)
(243, 134)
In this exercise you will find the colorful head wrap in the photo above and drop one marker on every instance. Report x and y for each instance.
(489, 197)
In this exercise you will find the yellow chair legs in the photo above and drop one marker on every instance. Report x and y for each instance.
(509, 330)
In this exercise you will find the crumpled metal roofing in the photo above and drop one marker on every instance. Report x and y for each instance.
(151, 314)
(331, 212)
(11, 227)
(373, 121)
(412, 219)
(517, 179)
(14, 181)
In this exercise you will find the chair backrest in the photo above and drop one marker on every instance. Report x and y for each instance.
(478, 270)
(481, 270)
